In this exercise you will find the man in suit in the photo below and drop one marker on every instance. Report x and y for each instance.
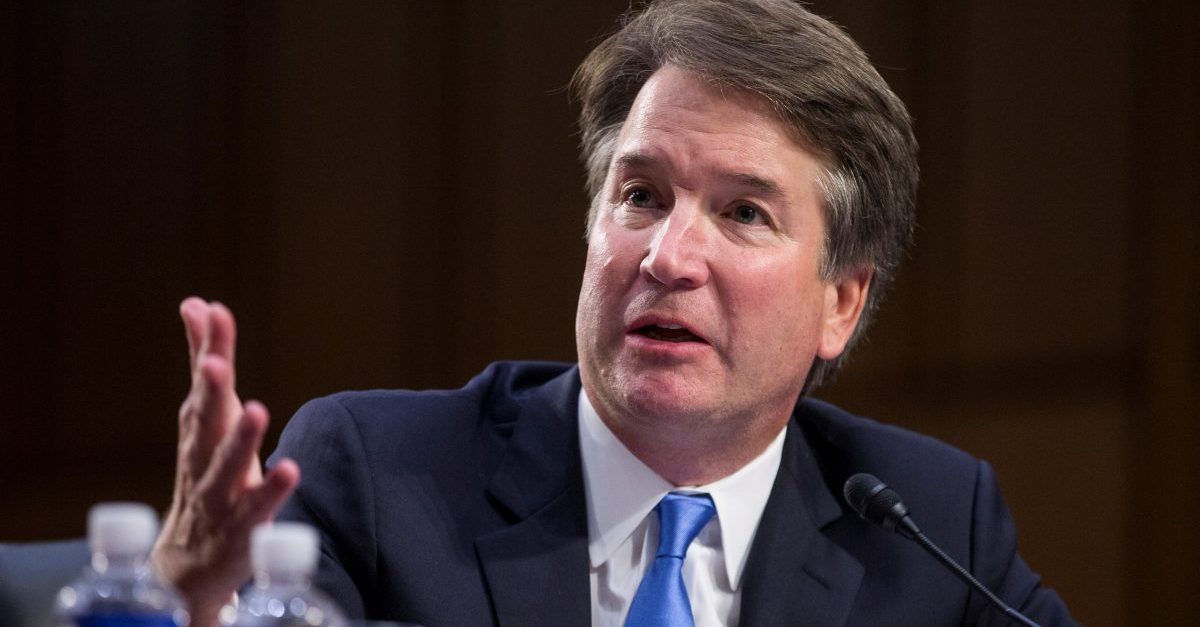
(752, 182)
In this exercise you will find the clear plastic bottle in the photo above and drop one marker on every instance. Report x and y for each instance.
(284, 556)
(117, 589)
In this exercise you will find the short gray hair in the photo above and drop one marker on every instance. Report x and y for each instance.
(818, 81)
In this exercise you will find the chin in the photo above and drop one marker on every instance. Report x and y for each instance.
(667, 396)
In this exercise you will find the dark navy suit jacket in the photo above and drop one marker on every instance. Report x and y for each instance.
(466, 507)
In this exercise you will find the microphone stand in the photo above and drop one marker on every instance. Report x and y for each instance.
(941, 556)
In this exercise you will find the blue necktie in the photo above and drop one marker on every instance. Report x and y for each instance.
(661, 599)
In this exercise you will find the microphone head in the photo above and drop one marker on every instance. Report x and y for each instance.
(874, 501)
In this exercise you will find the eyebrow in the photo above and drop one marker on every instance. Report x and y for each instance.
(634, 160)
(762, 186)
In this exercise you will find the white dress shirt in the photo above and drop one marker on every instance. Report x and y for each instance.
(623, 529)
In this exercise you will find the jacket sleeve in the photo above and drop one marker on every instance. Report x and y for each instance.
(335, 496)
(995, 562)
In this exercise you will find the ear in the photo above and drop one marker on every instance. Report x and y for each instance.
(844, 301)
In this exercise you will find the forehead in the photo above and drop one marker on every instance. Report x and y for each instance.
(674, 88)
(680, 120)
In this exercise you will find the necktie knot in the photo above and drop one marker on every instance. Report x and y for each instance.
(681, 517)
(661, 599)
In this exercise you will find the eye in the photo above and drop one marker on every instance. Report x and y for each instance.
(640, 197)
(748, 214)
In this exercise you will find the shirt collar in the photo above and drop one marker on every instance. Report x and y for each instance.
(622, 491)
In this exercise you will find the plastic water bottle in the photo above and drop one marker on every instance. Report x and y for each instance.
(117, 589)
(284, 556)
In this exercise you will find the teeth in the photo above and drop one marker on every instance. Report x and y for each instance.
(672, 326)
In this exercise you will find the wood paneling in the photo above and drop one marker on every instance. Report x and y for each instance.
(1164, 202)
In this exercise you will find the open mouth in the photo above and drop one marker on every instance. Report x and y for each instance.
(668, 333)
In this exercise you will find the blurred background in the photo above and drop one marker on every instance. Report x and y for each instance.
(387, 195)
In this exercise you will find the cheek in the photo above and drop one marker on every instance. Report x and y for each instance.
(613, 259)
(589, 298)
(603, 281)
(776, 308)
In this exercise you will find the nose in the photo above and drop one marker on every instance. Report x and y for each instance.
(678, 253)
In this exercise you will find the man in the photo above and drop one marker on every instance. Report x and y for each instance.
(752, 182)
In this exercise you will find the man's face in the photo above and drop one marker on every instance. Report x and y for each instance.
(702, 302)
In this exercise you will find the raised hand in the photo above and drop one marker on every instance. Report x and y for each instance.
(220, 490)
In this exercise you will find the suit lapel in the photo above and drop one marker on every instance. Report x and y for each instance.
(795, 575)
(537, 568)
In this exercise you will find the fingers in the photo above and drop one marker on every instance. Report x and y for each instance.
(234, 481)
(210, 329)
(237, 456)
(280, 482)
(208, 414)
(212, 407)
(194, 313)
(222, 332)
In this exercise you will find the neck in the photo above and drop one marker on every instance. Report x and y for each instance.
(693, 453)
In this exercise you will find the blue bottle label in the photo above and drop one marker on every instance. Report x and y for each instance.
(125, 619)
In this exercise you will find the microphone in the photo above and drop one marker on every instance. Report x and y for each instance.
(876, 503)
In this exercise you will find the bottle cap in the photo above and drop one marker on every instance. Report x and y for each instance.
(284, 547)
(122, 528)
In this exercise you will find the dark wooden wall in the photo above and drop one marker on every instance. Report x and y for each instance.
(387, 195)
